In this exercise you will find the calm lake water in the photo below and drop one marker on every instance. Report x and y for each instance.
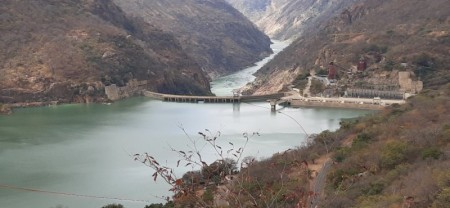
(85, 149)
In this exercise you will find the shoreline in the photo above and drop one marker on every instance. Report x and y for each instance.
(300, 104)
(5, 109)
(8, 108)
(319, 102)
(357, 103)
(295, 100)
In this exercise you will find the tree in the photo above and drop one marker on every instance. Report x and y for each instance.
(185, 188)
(393, 154)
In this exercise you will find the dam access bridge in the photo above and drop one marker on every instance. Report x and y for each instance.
(214, 99)
(287, 98)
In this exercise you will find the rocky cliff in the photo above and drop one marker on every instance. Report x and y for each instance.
(288, 19)
(389, 36)
(69, 50)
(212, 32)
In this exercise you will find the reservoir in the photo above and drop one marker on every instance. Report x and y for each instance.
(79, 155)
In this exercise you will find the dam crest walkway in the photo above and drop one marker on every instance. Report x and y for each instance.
(213, 99)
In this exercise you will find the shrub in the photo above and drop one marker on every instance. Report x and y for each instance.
(390, 32)
(393, 153)
(431, 152)
(399, 170)
(208, 196)
(425, 64)
(301, 81)
(389, 65)
(446, 133)
(442, 199)
(317, 86)
(338, 176)
(378, 201)
(442, 178)
(376, 48)
(374, 189)
(321, 71)
(348, 123)
(341, 154)
(218, 169)
(361, 141)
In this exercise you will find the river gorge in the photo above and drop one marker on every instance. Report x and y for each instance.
(80, 155)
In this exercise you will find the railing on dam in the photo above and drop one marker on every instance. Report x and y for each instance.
(212, 99)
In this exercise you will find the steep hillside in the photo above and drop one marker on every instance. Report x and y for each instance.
(212, 32)
(69, 50)
(288, 19)
(398, 157)
(390, 36)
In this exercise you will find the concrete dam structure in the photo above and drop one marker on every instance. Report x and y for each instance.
(368, 93)
(212, 99)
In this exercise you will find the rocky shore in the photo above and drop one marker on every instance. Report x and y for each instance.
(5, 109)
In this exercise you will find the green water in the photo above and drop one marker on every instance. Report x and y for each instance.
(84, 149)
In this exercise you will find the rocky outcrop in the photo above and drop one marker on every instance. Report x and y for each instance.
(407, 84)
(4, 109)
(133, 87)
(69, 50)
(212, 32)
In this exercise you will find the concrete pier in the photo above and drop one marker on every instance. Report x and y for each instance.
(275, 102)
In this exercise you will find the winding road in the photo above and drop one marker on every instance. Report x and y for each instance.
(319, 184)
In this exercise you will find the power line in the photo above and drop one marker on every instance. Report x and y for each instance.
(3, 186)
(298, 123)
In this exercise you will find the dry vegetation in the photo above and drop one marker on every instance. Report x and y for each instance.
(385, 33)
(212, 32)
(402, 152)
(399, 157)
(68, 50)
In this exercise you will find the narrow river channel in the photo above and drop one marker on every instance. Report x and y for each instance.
(79, 154)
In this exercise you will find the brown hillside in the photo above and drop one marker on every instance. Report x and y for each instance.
(385, 33)
(212, 32)
(69, 50)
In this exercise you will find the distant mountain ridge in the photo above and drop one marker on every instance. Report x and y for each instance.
(212, 32)
(69, 50)
(288, 19)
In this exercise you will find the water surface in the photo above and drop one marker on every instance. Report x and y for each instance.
(85, 149)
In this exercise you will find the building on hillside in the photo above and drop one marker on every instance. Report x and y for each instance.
(362, 65)
(332, 71)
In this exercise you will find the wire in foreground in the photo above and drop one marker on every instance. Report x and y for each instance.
(3, 186)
